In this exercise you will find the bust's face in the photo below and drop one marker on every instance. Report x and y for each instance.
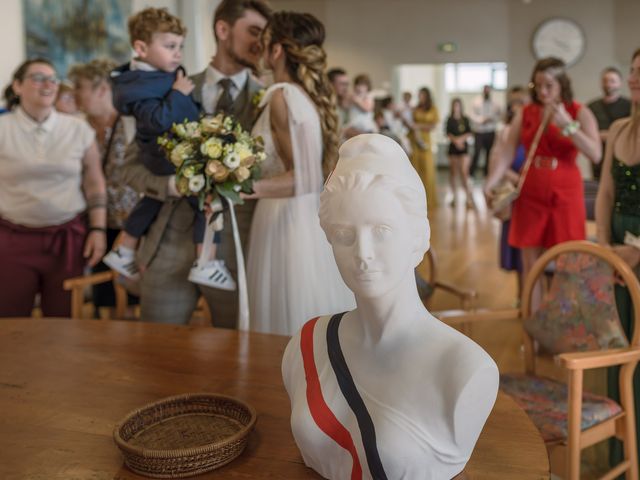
(372, 239)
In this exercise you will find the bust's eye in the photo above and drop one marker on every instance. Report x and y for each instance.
(344, 236)
(381, 231)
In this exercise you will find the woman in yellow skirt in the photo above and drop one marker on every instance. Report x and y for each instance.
(425, 119)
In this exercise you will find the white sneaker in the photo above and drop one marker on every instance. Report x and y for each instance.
(212, 274)
(123, 261)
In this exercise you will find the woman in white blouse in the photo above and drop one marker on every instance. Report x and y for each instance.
(50, 175)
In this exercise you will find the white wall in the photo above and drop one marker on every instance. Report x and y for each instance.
(596, 17)
(375, 35)
(626, 25)
(11, 39)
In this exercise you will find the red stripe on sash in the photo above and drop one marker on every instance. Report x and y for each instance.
(320, 411)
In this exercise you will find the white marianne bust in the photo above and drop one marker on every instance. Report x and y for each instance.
(385, 391)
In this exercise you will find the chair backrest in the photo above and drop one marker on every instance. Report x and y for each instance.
(79, 285)
(579, 311)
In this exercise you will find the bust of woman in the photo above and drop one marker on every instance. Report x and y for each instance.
(385, 391)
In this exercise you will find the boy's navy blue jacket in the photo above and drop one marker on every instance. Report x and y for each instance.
(148, 96)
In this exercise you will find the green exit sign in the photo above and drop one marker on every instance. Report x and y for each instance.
(447, 47)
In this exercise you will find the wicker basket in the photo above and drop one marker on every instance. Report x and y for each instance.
(184, 435)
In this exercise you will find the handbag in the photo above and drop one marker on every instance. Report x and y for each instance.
(505, 193)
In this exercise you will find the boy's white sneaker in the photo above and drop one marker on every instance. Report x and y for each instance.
(123, 261)
(212, 274)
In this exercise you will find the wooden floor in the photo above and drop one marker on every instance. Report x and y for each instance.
(466, 245)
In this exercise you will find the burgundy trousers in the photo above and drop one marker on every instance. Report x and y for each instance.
(38, 260)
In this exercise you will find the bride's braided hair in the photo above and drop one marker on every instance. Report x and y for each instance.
(635, 111)
(301, 36)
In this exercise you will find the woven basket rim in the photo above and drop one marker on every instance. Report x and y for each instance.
(182, 452)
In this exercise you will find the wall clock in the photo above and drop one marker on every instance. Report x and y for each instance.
(559, 37)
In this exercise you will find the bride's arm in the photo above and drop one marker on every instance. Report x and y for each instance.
(281, 185)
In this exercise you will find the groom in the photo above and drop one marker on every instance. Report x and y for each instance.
(167, 253)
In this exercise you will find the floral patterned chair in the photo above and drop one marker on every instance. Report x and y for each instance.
(578, 323)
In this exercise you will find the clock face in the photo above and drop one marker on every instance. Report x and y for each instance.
(561, 38)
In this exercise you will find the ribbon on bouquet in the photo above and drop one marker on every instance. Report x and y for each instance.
(631, 239)
(210, 230)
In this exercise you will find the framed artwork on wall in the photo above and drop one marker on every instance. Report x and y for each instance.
(76, 31)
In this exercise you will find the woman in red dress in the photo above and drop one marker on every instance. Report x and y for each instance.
(550, 208)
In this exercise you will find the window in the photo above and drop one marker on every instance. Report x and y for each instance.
(471, 77)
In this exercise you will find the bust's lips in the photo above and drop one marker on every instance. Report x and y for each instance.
(368, 275)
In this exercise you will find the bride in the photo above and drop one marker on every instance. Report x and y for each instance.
(292, 275)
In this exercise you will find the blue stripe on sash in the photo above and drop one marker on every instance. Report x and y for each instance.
(350, 392)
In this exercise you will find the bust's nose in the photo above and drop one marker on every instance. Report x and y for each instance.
(364, 250)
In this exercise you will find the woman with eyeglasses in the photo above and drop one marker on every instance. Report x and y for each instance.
(52, 200)
(550, 208)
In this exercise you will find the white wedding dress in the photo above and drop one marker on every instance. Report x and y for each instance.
(291, 273)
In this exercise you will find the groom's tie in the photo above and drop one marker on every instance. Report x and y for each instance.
(225, 101)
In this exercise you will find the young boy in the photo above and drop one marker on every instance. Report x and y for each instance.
(154, 89)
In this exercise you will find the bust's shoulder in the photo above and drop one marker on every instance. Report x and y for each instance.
(460, 357)
(455, 343)
(309, 337)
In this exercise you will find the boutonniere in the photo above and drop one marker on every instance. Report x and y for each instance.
(257, 97)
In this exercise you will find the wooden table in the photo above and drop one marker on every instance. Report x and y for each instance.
(64, 384)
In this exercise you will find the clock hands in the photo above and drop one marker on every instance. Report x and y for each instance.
(561, 44)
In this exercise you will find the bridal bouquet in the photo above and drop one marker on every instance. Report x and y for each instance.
(213, 156)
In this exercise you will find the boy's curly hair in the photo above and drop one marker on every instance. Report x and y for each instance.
(145, 23)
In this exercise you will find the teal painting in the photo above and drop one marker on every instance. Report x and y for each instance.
(77, 31)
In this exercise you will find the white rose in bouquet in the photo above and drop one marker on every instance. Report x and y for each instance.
(231, 160)
(196, 183)
(212, 148)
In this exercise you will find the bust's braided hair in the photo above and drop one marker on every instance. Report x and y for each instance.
(301, 36)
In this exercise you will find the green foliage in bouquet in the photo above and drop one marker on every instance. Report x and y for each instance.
(213, 156)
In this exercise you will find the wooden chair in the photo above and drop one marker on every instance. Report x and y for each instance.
(79, 286)
(588, 418)
(429, 283)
